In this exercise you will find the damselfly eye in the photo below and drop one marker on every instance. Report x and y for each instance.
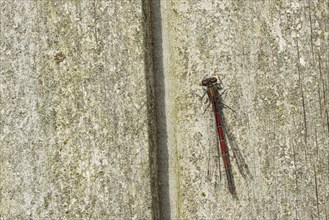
(212, 79)
(205, 82)
(208, 81)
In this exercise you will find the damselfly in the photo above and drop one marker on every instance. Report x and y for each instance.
(213, 90)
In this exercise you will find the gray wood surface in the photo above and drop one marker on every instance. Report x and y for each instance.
(73, 101)
(273, 57)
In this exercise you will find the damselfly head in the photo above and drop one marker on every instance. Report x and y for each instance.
(208, 81)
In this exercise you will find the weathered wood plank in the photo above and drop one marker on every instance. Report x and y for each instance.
(74, 123)
(273, 57)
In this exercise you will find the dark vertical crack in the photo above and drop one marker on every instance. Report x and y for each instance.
(303, 98)
(324, 92)
(311, 27)
(151, 106)
(316, 190)
(159, 156)
(296, 180)
(162, 136)
(327, 115)
(319, 94)
(315, 173)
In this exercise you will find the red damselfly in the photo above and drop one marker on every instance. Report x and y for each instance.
(213, 90)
